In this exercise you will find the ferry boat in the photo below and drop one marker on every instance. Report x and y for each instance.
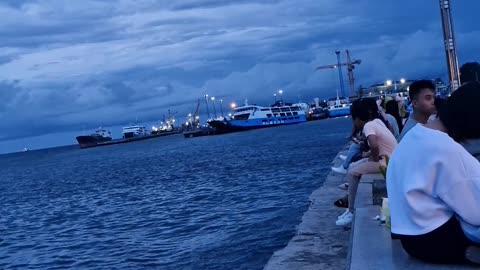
(252, 116)
(134, 131)
(338, 107)
(101, 135)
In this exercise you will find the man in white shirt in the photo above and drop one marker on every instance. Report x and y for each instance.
(433, 184)
(422, 96)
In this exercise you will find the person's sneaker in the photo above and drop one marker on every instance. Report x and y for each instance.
(339, 170)
(344, 213)
(343, 186)
(472, 254)
(342, 157)
(345, 220)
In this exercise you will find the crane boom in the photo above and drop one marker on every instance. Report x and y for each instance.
(350, 64)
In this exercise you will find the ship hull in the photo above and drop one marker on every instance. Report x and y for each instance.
(90, 141)
(242, 125)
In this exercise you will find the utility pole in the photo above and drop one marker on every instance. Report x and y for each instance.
(450, 46)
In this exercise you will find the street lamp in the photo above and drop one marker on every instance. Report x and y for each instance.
(233, 105)
(389, 82)
(214, 110)
(206, 103)
(275, 96)
(402, 80)
(221, 107)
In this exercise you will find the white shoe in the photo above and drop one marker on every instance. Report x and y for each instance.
(344, 213)
(345, 220)
(343, 186)
(339, 170)
(342, 157)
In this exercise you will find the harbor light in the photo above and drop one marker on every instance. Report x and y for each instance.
(389, 82)
(233, 105)
(402, 80)
(213, 98)
(280, 91)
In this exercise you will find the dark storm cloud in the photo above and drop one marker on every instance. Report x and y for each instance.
(66, 63)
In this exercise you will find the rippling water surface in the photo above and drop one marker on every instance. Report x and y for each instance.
(217, 202)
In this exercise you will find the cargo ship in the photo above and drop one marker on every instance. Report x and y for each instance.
(101, 135)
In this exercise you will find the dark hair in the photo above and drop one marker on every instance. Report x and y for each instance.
(353, 107)
(439, 102)
(392, 108)
(367, 110)
(461, 112)
(417, 86)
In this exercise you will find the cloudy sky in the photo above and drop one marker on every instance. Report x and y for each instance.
(67, 66)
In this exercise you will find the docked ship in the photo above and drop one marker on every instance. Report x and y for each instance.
(338, 107)
(252, 117)
(134, 131)
(100, 136)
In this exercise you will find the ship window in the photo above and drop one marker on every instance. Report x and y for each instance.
(295, 113)
(290, 118)
(264, 110)
(275, 114)
(275, 110)
(295, 108)
(296, 117)
(243, 116)
(282, 114)
(269, 115)
(284, 118)
(289, 114)
(285, 109)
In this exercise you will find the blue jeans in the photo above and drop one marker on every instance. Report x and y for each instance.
(353, 150)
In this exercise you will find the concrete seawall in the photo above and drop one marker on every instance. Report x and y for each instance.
(318, 243)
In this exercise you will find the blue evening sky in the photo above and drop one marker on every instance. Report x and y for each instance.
(69, 66)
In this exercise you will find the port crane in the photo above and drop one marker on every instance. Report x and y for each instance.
(350, 67)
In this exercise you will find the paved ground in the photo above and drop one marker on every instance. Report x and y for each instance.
(319, 243)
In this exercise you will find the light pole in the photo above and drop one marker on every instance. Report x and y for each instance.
(214, 110)
(275, 97)
(206, 103)
(450, 46)
(221, 107)
(281, 95)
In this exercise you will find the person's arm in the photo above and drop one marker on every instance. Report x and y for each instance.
(463, 197)
(374, 148)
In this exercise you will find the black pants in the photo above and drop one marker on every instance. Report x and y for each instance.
(446, 244)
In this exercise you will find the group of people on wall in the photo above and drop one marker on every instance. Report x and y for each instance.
(433, 175)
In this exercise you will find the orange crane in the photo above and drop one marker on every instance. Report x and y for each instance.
(350, 67)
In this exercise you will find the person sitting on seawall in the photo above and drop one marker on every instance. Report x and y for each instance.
(355, 148)
(433, 184)
(381, 142)
(393, 117)
(422, 96)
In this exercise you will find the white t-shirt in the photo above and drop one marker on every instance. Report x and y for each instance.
(430, 177)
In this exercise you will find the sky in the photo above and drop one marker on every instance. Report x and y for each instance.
(67, 67)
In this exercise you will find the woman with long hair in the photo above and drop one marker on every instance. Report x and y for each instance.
(391, 108)
(381, 142)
